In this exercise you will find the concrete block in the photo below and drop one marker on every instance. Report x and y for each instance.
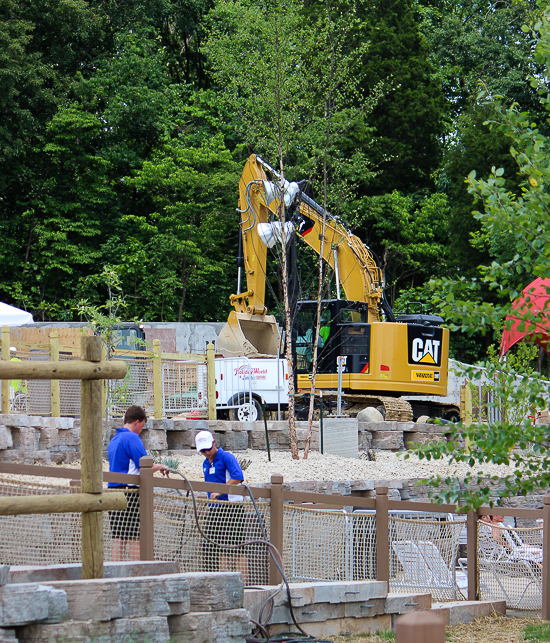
(4, 575)
(8, 636)
(48, 438)
(106, 599)
(25, 603)
(349, 592)
(402, 603)
(177, 439)
(454, 613)
(363, 609)
(337, 626)
(382, 427)
(230, 626)
(365, 440)
(341, 437)
(6, 440)
(388, 440)
(37, 457)
(73, 571)
(162, 424)
(26, 437)
(68, 437)
(362, 485)
(62, 424)
(154, 440)
(414, 439)
(18, 420)
(12, 455)
(211, 592)
(236, 441)
(309, 613)
(123, 630)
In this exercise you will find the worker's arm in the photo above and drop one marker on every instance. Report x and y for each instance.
(213, 496)
(161, 467)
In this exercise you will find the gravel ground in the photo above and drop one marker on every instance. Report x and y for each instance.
(387, 466)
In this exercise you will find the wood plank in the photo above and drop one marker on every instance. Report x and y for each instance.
(69, 370)
(64, 503)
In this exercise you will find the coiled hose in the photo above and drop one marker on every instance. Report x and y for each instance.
(260, 635)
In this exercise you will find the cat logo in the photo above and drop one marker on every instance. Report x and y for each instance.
(425, 351)
(424, 347)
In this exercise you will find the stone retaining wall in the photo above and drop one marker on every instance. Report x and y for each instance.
(42, 440)
(141, 606)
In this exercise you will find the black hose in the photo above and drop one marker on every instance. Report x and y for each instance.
(273, 551)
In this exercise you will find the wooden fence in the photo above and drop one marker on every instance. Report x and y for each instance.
(55, 349)
(279, 496)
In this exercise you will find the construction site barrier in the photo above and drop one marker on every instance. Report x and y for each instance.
(164, 384)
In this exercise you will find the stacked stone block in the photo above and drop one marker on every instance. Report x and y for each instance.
(328, 609)
(42, 440)
(180, 608)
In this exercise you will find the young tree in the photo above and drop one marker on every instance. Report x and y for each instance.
(255, 49)
(524, 220)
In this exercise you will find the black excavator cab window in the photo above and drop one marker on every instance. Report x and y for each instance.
(343, 331)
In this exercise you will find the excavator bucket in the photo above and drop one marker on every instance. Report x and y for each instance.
(249, 336)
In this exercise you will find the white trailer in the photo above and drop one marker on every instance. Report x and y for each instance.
(245, 385)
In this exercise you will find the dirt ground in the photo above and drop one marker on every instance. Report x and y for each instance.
(485, 630)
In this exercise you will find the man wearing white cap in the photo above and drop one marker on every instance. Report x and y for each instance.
(224, 524)
(219, 466)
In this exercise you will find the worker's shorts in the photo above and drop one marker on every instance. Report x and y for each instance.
(125, 524)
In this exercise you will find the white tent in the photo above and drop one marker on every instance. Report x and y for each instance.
(11, 316)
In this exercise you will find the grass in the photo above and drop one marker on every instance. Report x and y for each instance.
(490, 629)
(537, 632)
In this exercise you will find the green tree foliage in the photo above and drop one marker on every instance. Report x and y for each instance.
(409, 117)
(409, 235)
(185, 239)
(523, 219)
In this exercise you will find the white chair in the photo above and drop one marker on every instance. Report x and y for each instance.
(442, 576)
(416, 572)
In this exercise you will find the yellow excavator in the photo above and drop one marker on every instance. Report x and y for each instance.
(382, 357)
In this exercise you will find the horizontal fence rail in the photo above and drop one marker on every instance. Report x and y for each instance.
(415, 547)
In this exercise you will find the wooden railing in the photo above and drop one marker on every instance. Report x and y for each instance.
(278, 496)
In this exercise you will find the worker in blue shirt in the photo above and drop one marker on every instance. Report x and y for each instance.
(125, 450)
(225, 522)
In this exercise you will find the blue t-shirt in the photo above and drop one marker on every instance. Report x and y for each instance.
(224, 467)
(125, 450)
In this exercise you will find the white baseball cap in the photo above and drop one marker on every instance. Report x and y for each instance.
(204, 440)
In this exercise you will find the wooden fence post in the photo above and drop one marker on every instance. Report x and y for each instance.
(91, 446)
(55, 407)
(545, 559)
(104, 388)
(211, 379)
(157, 379)
(471, 553)
(382, 536)
(420, 627)
(6, 356)
(276, 525)
(146, 485)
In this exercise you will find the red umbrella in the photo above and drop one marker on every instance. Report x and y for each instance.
(533, 316)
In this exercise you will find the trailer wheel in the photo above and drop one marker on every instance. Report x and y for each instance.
(247, 412)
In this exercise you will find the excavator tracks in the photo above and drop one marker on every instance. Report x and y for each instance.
(395, 408)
